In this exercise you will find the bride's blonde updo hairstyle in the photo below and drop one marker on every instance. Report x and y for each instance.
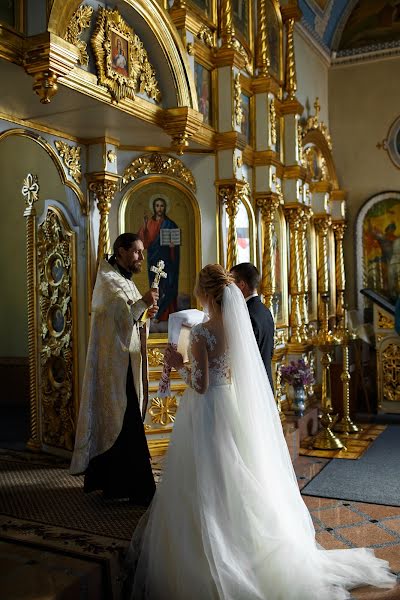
(211, 282)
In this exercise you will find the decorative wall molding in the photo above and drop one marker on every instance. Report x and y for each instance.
(156, 163)
(71, 156)
(79, 22)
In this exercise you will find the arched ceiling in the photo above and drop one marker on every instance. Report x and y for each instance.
(345, 25)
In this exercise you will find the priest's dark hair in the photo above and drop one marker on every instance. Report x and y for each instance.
(248, 273)
(125, 241)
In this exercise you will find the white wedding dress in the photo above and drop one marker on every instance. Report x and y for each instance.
(227, 521)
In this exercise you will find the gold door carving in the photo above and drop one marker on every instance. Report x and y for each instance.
(391, 373)
(57, 300)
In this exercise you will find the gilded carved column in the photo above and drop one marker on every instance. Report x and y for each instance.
(231, 200)
(294, 215)
(226, 23)
(30, 191)
(262, 58)
(339, 229)
(304, 272)
(103, 186)
(268, 207)
(290, 71)
(322, 225)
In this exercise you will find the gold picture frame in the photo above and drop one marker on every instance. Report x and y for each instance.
(121, 59)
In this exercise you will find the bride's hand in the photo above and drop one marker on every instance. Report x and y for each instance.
(174, 358)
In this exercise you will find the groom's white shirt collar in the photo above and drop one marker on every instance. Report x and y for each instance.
(251, 296)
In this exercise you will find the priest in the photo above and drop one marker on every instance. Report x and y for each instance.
(110, 445)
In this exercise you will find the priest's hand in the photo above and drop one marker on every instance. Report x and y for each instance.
(173, 358)
(152, 311)
(151, 297)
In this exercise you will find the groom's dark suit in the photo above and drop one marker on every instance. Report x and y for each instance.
(263, 326)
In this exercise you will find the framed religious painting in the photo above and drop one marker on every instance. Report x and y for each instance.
(378, 246)
(12, 14)
(203, 82)
(332, 273)
(245, 125)
(274, 33)
(280, 301)
(311, 251)
(166, 216)
(241, 13)
(121, 60)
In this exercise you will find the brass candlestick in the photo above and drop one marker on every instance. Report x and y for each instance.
(326, 439)
(346, 425)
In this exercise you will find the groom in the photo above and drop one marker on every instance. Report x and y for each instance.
(247, 278)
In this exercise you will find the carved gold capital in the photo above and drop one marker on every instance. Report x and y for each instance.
(71, 156)
(49, 57)
(181, 123)
(144, 165)
(79, 22)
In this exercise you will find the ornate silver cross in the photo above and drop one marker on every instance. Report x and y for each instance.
(159, 272)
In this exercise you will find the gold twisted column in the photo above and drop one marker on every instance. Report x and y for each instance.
(262, 59)
(268, 206)
(322, 225)
(226, 24)
(30, 191)
(346, 425)
(231, 193)
(294, 215)
(290, 71)
(304, 272)
(103, 186)
(232, 207)
(339, 229)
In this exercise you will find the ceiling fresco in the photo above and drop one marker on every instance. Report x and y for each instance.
(346, 25)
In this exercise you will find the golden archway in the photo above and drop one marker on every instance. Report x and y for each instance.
(161, 27)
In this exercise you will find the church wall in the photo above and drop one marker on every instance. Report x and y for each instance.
(312, 75)
(14, 168)
(363, 103)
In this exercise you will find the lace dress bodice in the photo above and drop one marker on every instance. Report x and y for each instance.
(209, 360)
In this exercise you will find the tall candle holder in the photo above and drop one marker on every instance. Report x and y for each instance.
(325, 340)
(346, 425)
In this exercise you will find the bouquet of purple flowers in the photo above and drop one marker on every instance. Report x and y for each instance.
(297, 374)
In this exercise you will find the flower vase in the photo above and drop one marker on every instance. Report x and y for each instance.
(299, 400)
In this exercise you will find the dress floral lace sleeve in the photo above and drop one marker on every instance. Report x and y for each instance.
(196, 376)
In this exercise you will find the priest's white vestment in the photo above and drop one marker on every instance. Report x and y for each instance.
(114, 336)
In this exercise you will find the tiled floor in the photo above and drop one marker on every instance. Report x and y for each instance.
(345, 524)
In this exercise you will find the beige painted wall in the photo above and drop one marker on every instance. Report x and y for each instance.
(363, 103)
(312, 76)
(18, 157)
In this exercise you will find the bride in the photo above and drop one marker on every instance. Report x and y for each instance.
(227, 521)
